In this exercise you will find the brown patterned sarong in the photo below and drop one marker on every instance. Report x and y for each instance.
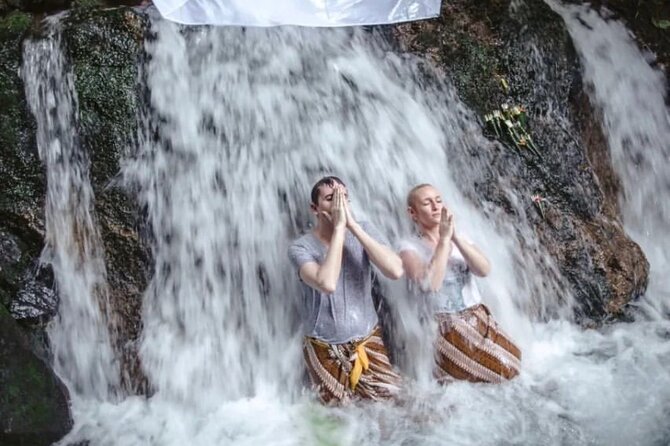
(356, 369)
(470, 346)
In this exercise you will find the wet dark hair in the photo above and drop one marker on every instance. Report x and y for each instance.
(325, 181)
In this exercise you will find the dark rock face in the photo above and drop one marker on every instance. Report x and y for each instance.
(105, 47)
(34, 406)
(22, 178)
(495, 55)
(33, 403)
(33, 5)
(646, 19)
(51, 6)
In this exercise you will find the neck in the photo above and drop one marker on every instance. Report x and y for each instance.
(431, 234)
(323, 230)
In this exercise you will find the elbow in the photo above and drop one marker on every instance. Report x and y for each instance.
(396, 272)
(483, 271)
(327, 288)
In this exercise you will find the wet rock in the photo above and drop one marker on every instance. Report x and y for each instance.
(105, 47)
(9, 250)
(22, 177)
(34, 404)
(498, 52)
(36, 300)
(649, 20)
(7, 6)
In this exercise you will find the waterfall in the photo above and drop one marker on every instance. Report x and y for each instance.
(244, 122)
(80, 342)
(631, 96)
(240, 123)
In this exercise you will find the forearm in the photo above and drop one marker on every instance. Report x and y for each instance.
(476, 260)
(384, 258)
(329, 271)
(437, 267)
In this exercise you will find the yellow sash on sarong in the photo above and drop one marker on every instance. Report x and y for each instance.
(361, 363)
(359, 357)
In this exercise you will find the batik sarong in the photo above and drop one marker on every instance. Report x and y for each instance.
(358, 369)
(470, 346)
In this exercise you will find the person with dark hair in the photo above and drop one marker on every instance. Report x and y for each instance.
(343, 349)
(440, 265)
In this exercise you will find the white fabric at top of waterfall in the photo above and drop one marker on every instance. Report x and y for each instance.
(317, 13)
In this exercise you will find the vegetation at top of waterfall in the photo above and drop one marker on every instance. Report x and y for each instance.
(52, 6)
(497, 53)
(650, 22)
(33, 403)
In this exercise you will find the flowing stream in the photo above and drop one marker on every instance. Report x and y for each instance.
(240, 123)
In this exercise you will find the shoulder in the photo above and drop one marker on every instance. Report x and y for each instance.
(408, 244)
(303, 245)
(302, 241)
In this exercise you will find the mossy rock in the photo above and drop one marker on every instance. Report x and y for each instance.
(22, 177)
(34, 404)
(105, 48)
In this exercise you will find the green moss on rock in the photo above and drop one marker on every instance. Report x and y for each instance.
(15, 23)
(105, 47)
(34, 406)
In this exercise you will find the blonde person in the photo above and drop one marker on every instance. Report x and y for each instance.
(440, 264)
(343, 349)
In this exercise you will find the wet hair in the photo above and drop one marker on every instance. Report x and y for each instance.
(325, 181)
(410, 195)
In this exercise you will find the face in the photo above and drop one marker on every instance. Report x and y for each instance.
(326, 194)
(426, 207)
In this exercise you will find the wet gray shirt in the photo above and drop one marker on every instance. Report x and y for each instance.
(459, 290)
(349, 312)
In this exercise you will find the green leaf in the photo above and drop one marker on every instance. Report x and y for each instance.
(661, 24)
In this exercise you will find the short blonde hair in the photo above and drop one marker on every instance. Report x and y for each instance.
(410, 195)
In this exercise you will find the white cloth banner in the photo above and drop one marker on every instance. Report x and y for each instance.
(296, 12)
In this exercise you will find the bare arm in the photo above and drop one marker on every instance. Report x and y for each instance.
(476, 260)
(429, 276)
(383, 257)
(324, 277)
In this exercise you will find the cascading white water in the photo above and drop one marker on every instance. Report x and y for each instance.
(243, 122)
(249, 120)
(636, 121)
(80, 342)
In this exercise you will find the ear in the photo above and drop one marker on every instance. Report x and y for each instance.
(412, 213)
(312, 207)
